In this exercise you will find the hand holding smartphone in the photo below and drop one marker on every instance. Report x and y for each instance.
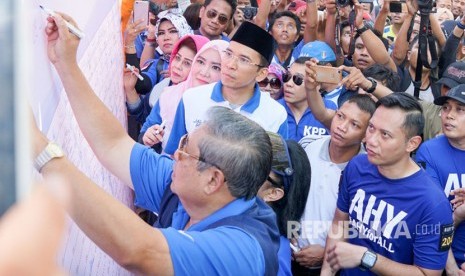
(327, 74)
(398, 7)
(141, 11)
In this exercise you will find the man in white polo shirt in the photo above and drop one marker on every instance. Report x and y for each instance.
(243, 64)
(328, 157)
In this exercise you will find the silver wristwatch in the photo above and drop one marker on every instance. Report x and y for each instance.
(51, 151)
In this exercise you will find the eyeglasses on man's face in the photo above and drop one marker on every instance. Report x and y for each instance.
(182, 150)
(298, 79)
(222, 19)
(241, 60)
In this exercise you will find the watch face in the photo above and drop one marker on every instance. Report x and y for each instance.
(55, 150)
(369, 259)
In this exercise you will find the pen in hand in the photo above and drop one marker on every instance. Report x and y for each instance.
(130, 67)
(73, 29)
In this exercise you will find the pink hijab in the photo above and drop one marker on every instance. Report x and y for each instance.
(170, 97)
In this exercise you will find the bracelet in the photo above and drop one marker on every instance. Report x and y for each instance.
(152, 40)
(130, 46)
(460, 25)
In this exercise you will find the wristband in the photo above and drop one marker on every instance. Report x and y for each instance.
(362, 30)
(460, 25)
(151, 40)
(130, 46)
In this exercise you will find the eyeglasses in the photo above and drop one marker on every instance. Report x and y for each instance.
(244, 61)
(181, 149)
(298, 79)
(282, 164)
(186, 63)
(274, 83)
(222, 19)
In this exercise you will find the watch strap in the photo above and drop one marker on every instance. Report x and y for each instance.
(361, 30)
(374, 83)
(50, 152)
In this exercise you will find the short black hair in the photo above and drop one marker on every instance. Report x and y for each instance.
(231, 3)
(383, 74)
(287, 14)
(364, 102)
(414, 120)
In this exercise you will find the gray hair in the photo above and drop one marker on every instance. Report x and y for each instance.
(239, 147)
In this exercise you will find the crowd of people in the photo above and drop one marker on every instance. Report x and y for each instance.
(276, 138)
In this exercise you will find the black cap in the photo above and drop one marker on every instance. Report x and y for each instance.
(255, 38)
(457, 93)
(454, 75)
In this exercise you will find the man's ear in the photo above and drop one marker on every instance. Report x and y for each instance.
(216, 181)
(262, 73)
(413, 143)
(273, 194)
(201, 12)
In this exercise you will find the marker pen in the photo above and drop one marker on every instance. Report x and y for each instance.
(70, 26)
(130, 67)
(162, 126)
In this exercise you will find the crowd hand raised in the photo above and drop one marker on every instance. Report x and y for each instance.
(355, 79)
(331, 6)
(310, 74)
(358, 13)
(310, 256)
(412, 7)
(62, 44)
(153, 135)
(133, 29)
(238, 16)
(344, 255)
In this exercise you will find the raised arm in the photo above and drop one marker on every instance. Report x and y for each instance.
(126, 238)
(310, 33)
(401, 44)
(314, 99)
(107, 138)
(330, 28)
(373, 44)
(380, 21)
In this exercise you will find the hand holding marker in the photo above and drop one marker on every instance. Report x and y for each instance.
(70, 26)
(130, 67)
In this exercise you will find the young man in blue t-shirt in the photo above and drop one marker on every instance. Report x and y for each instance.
(398, 221)
(443, 158)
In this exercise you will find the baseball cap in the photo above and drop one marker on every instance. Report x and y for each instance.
(319, 50)
(457, 93)
(454, 75)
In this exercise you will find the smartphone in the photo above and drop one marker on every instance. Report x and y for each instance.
(397, 7)
(328, 74)
(249, 12)
(141, 11)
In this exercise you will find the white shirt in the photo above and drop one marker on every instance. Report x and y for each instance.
(324, 187)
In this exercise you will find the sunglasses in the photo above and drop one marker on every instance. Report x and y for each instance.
(222, 19)
(297, 79)
(275, 83)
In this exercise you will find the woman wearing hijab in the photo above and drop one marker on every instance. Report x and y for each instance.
(169, 29)
(181, 59)
(206, 68)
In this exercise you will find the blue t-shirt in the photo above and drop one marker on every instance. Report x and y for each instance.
(308, 124)
(447, 167)
(152, 73)
(403, 219)
(228, 250)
